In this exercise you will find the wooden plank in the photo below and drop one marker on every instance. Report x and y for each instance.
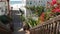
(58, 1)
(3, 26)
(4, 29)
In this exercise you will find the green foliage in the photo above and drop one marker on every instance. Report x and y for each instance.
(47, 14)
(37, 10)
(22, 18)
(32, 8)
(31, 22)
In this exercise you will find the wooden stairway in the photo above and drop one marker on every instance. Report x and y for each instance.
(4, 29)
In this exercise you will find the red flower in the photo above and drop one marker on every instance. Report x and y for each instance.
(56, 10)
(42, 17)
(42, 14)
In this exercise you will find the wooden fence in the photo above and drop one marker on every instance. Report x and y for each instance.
(49, 27)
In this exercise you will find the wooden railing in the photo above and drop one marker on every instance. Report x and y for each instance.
(4, 29)
(49, 27)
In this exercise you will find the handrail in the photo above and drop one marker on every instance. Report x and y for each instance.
(51, 25)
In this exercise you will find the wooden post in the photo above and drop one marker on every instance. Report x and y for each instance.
(27, 32)
(58, 1)
(8, 6)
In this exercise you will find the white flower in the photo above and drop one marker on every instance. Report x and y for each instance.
(55, 5)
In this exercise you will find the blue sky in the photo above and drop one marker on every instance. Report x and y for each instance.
(15, 0)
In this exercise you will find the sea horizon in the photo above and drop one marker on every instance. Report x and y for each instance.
(15, 2)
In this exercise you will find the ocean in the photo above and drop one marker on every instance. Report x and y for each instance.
(15, 2)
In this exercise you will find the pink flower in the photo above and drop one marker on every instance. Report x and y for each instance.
(53, 2)
(56, 10)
